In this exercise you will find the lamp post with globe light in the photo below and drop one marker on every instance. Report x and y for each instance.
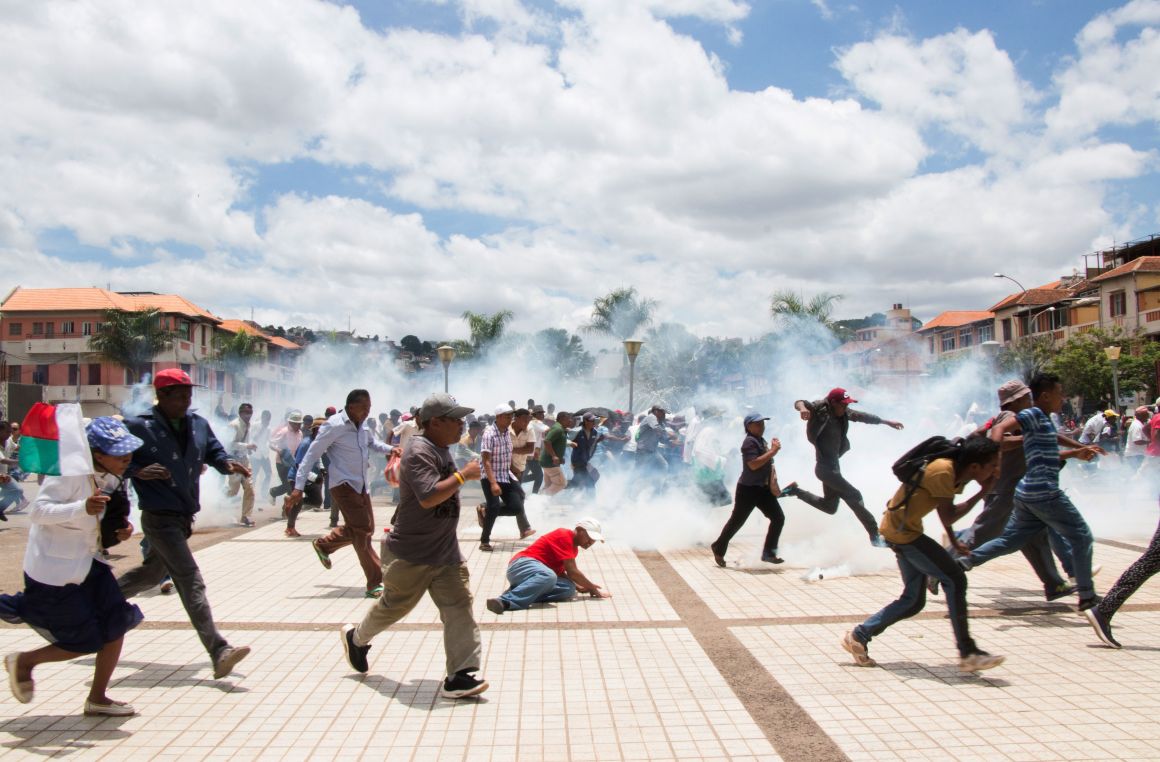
(632, 349)
(446, 355)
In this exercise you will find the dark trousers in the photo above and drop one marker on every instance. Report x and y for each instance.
(1135, 575)
(358, 525)
(534, 473)
(745, 499)
(990, 524)
(916, 561)
(284, 486)
(169, 553)
(835, 488)
(509, 503)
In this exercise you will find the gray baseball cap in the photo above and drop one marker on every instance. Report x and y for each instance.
(442, 406)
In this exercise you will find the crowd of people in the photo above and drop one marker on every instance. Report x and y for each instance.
(425, 457)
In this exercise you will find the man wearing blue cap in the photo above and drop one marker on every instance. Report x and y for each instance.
(756, 488)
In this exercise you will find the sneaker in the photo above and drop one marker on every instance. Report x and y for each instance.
(495, 606)
(1102, 626)
(1062, 590)
(114, 709)
(772, 558)
(789, 490)
(486, 547)
(2, 516)
(527, 533)
(22, 690)
(374, 592)
(1088, 603)
(323, 558)
(356, 655)
(979, 661)
(461, 685)
(932, 585)
(167, 587)
(857, 649)
(480, 514)
(228, 659)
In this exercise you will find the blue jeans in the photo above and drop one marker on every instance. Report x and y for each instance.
(530, 581)
(10, 494)
(1029, 519)
(916, 561)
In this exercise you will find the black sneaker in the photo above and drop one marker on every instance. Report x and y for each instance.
(1087, 603)
(356, 655)
(789, 490)
(1102, 626)
(1061, 590)
(462, 684)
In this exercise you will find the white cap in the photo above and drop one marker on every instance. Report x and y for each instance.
(592, 527)
(504, 409)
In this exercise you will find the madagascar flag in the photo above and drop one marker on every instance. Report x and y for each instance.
(53, 441)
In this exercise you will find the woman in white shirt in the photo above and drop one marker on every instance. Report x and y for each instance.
(70, 595)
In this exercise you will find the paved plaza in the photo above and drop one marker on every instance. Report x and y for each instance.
(685, 662)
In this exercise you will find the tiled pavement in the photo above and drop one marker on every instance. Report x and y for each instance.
(691, 671)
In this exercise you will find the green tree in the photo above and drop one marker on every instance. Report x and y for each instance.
(561, 351)
(1026, 356)
(793, 313)
(411, 343)
(620, 314)
(234, 351)
(486, 329)
(1083, 366)
(131, 339)
(666, 369)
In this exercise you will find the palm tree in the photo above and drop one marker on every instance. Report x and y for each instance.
(486, 329)
(621, 313)
(131, 339)
(787, 306)
(236, 351)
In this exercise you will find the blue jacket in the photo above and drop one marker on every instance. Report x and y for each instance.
(181, 492)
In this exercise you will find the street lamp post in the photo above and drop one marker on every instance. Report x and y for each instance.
(632, 349)
(1008, 277)
(1113, 354)
(446, 355)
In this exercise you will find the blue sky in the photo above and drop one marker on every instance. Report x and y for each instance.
(574, 147)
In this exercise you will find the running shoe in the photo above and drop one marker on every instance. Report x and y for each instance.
(228, 659)
(462, 684)
(1061, 590)
(1102, 626)
(789, 490)
(979, 661)
(356, 655)
(858, 650)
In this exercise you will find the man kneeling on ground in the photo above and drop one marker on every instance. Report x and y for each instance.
(546, 570)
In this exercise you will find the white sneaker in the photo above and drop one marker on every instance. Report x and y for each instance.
(979, 661)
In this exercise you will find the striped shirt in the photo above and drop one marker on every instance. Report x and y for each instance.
(1041, 450)
(499, 445)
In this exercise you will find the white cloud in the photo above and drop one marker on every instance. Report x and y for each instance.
(610, 148)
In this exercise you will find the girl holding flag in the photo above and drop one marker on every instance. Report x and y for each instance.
(70, 595)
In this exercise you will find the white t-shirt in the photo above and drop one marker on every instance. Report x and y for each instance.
(1137, 430)
(539, 428)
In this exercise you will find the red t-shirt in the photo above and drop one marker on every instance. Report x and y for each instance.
(552, 550)
(1154, 439)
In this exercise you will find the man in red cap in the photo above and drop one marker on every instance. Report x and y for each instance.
(166, 471)
(827, 426)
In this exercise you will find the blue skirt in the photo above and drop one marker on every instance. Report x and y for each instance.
(78, 618)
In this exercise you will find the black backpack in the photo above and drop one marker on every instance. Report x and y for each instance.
(911, 466)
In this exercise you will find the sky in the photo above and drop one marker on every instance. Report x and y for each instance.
(390, 164)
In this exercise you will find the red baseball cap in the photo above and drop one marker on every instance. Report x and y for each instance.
(172, 377)
(838, 394)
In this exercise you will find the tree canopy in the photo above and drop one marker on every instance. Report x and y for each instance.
(131, 339)
(620, 314)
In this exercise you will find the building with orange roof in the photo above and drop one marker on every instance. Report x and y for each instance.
(887, 354)
(957, 332)
(44, 349)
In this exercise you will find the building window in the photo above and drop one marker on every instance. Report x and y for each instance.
(98, 328)
(40, 375)
(183, 330)
(966, 336)
(1117, 303)
(86, 329)
(50, 329)
(14, 373)
(67, 328)
(94, 374)
(986, 332)
(948, 341)
(15, 329)
(38, 329)
(1006, 329)
(74, 374)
